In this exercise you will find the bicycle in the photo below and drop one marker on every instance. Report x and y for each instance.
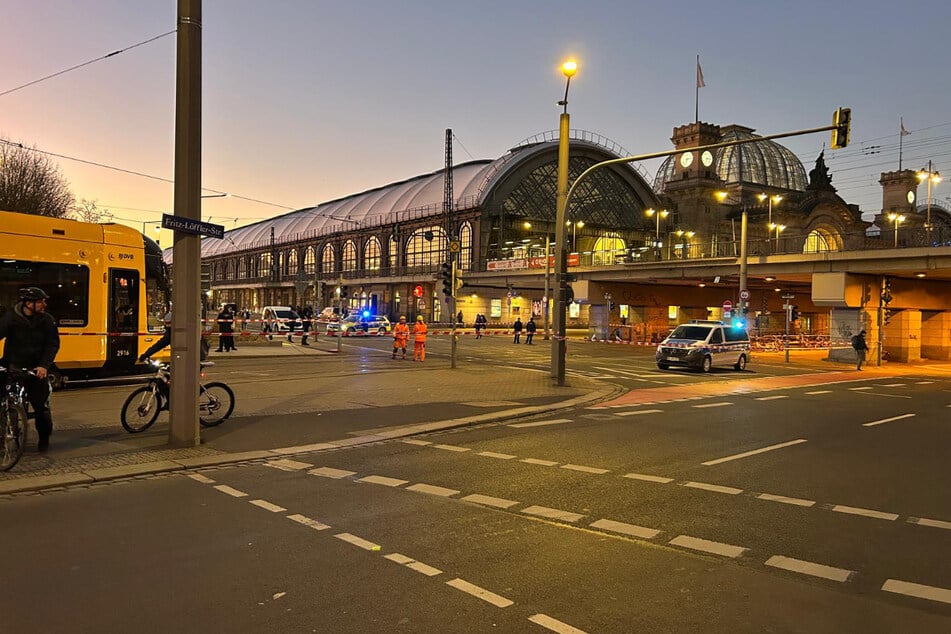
(14, 416)
(142, 407)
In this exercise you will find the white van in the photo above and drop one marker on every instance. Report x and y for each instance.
(704, 344)
(279, 319)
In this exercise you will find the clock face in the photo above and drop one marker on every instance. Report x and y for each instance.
(686, 159)
(707, 158)
(911, 197)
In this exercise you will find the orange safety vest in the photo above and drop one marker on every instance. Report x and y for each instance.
(401, 333)
(419, 332)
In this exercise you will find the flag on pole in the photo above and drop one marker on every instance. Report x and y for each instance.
(904, 132)
(700, 82)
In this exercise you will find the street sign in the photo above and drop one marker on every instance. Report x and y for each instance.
(193, 227)
(455, 246)
(727, 314)
(727, 305)
(744, 294)
(787, 296)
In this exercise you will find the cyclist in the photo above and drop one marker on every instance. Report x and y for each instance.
(32, 341)
(166, 340)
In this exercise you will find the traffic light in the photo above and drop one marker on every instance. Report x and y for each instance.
(794, 313)
(886, 316)
(205, 277)
(842, 120)
(344, 292)
(746, 309)
(457, 281)
(445, 272)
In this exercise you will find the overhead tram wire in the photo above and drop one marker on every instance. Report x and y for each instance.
(92, 61)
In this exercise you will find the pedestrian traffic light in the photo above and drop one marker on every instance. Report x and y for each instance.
(842, 120)
(445, 272)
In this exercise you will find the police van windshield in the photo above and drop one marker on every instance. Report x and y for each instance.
(690, 332)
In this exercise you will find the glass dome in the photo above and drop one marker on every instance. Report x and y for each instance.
(766, 163)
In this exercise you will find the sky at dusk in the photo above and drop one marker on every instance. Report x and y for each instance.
(306, 101)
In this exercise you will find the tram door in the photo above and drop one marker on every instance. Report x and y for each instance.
(122, 342)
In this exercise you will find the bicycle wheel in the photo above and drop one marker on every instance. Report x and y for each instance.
(13, 426)
(215, 403)
(140, 409)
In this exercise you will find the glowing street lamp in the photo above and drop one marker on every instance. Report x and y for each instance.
(775, 198)
(929, 176)
(574, 237)
(685, 241)
(663, 213)
(778, 229)
(897, 219)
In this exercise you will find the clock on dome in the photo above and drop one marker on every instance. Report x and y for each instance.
(911, 197)
(706, 158)
(686, 159)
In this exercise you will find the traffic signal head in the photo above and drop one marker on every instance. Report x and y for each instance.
(842, 120)
(344, 291)
(794, 313)
(886, 316)
(457, 281)
(445, 272)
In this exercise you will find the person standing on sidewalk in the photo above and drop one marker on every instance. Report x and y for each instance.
(225, 330)
(419, 339)
(400, 336)
(32, 341)
(860, 347)
(305, 324)
(530, 329)
(517, 327)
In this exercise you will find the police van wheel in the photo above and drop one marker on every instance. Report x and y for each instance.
(706, 365)
(740, 364)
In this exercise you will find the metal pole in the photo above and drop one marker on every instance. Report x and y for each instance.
(786, 338)
(547, 285)
(558, 345)
(743, 259)
(452, 333)
(186, 271)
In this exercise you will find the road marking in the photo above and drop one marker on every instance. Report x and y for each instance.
(480, 593)
(917, 590)
(554, 514)
(819, 392)
(387, 482)
(785, 500)
(932, 523)
(451, 448)
(859, 389)
(810, 568)
(500, 456)
(886, 420)
(224, 488)
(648, 478)
(544, 463)
(626, 529)
(285, 464)
(716, 488)
(412, 564)
(639, 412)
(357, 541)
(582, 468)
(714, 548)
(554, 624)
(706, 405)
(894, 385)
(540, 423)
(923, 382)
(329, 472)
(197, 477)
(432, 490)
(747, 454)
(267, 506)
(772, 398)
(308, 522)
(488, 500)
(421, 443)
(851, 510)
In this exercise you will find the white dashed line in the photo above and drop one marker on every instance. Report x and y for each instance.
(224, 488)
(421, 443)
(308, 522)
(639, 412)
(500, 456)
(267, 506)
(626, 529)
(923, 382)
(648, 478)
(285, 464)
(859, 389)
(907, 588)
(819, 392)
(432, 490)
(747, 454)
(932, 523)
(716, 488)
(771, 398)
(544, 463)
(584, 469)
(886, 420)
(554, 624)
(399, 558)
(383, 480)
(851, 510)
(785, 500)
(809, 568)
(357, 541)
(554, 514)
(706, 405)
(329, 472)
(541, 423)
(714, 548)
(452, 448)
(894, 385)
(480, 593)
(197, 477)
(412, 564)
(487, 500)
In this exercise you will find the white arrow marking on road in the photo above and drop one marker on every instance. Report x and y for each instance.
(886, 420)
(747, 454)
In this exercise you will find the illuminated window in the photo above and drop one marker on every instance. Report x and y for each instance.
(310, 260)
(426, 247)
(372, 258)
(348, 257)
(465, 237)
(291, 262)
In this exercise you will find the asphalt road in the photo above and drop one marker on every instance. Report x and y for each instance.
(782, 499)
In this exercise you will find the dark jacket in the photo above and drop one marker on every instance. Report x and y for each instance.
(530, 326)
(31, 342)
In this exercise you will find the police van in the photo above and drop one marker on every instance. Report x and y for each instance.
(704, 344)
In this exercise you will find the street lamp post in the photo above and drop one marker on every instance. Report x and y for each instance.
(778, 229)
(558, 347)
(684, 242)
(769, 200)
(721, 196)
(930, 177)
(663, 213)
(897, 219)
(574, 237)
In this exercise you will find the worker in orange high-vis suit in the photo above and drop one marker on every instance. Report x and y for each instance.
(419, 340)
(400, 336)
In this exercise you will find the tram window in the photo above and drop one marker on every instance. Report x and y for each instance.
(66, 284)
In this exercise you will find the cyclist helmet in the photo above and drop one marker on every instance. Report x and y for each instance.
(32, 294)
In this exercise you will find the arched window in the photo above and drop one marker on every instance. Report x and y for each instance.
(372, 254)
(820, 241)
(426, 247)
(327, 259)
(281, 263)
(607, 250)
(348, 257)
(291, 262)
(394, 252)
(242, 268)
(465, 237)
(310, 260)
(264, 265)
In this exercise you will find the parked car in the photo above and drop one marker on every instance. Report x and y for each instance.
(369, 324)
(280, 319)
(704, 344)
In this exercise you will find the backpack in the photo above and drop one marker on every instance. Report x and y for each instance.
(855, 342)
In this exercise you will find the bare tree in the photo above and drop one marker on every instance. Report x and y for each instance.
(31, 183)
(89, 211)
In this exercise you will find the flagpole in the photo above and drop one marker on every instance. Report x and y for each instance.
(901, 140)
(696, 98)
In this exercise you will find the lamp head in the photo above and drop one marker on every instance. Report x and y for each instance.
(720, 195)
(650, 212)
(569, 68)
(664, 213)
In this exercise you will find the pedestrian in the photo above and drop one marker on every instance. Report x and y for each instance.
(459, 321)
(530, 329)
(305, 325)
(860, 347)
(400, 336)
(247, 317)
(225, 330)
(32, 341)
(518, 329)
(419, 339)
(479, 325)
